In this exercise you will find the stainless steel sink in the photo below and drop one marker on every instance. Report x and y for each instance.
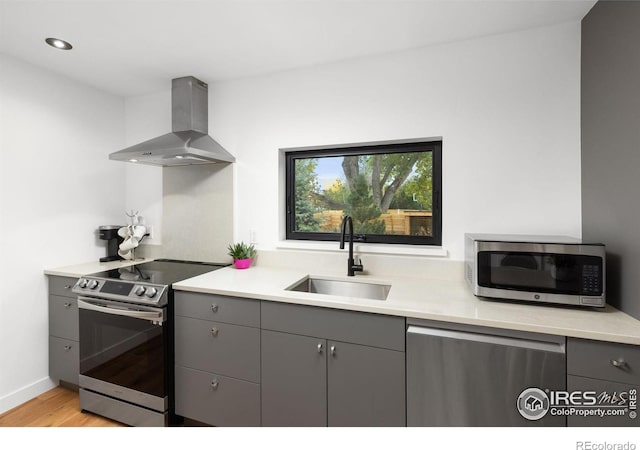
(372, 291)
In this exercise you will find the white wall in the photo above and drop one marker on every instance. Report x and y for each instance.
(56, 187)
(146, 117)
(507, 107)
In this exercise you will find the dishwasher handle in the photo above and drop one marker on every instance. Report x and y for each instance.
(488, 339)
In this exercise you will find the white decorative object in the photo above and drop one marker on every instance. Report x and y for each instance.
(132, 235)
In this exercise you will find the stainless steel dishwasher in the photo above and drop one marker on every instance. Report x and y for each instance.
(459, 375)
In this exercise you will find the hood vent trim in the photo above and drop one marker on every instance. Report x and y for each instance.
(188, 143)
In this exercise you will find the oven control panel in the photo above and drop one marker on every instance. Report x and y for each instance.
(129, 291)
(145, 291)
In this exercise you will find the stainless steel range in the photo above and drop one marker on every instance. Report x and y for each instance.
(126, 340)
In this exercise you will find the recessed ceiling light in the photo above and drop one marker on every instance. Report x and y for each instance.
(179, 157)
(133, 160)
(58, 43)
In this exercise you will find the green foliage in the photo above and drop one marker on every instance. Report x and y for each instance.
(372, 184)
(306, 184)
(403, 200)
(240, 250)
(422, 184)
(337, 193)
(418, 186)
(362, 209)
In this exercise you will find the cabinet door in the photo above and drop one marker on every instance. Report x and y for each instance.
(294, 380)
(61, 286)
(217, 400)
(366, 386)
(230, 350)
(607, 389)
(611, 361)
(64, 359)
(63, 317)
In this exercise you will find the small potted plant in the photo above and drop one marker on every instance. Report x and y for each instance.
(241, 254)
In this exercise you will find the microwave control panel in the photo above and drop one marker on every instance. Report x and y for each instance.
(591, 279)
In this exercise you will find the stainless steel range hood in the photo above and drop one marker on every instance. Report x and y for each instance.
(188, 143)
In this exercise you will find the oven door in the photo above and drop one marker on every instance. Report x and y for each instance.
(124, 351)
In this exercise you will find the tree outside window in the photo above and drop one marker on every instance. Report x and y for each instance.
(392, 192)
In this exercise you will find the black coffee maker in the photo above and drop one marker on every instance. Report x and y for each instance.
(109, 233)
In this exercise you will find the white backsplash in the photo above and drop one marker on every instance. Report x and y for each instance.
(318, 263)
(197, 212)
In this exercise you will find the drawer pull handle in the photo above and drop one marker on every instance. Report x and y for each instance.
(214, 384)
(67, 347)
(333, 350)
(214, 331)
(214, 308)
(67, 305)
(619, 363)
(319, 348)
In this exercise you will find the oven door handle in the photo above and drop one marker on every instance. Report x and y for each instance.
(156, 316)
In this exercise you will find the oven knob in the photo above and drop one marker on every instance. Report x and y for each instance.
(140, 291)
(83, 283)
(92, 284)
(152, 292)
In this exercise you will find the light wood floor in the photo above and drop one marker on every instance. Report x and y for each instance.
(59, 407)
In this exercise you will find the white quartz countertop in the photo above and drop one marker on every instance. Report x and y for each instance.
(442, 300)
(79, 270)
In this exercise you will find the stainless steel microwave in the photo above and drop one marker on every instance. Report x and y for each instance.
(547, 269)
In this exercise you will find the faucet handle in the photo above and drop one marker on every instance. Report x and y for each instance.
(358, 267)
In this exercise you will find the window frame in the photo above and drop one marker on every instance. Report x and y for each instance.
(435, 146)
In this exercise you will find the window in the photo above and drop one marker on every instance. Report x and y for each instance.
(391, 191)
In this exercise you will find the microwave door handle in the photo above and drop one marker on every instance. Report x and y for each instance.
(157, 317)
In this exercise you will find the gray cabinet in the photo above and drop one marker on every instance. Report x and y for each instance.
(294, 380)
(217, 347)
(331, 367)
(612, 372)
(63, 330)
(215, 399)
(217, 359)
(218, 308)
(366, 386)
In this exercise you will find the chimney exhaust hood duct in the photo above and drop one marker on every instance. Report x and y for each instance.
(188, 143)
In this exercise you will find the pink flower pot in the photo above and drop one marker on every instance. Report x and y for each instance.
(242, 263)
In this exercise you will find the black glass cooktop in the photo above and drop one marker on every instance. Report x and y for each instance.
(160, 271)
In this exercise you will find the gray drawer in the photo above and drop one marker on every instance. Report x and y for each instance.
(63, 317)
(231, 350)
(216, 400)
(575, 383)
(375, 330)
(595, 359)
(64, 363)
(236, 310)
(61, 286)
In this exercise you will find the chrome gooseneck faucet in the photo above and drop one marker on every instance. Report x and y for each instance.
(352, 267)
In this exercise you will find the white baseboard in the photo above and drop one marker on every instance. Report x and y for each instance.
(25, 394)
